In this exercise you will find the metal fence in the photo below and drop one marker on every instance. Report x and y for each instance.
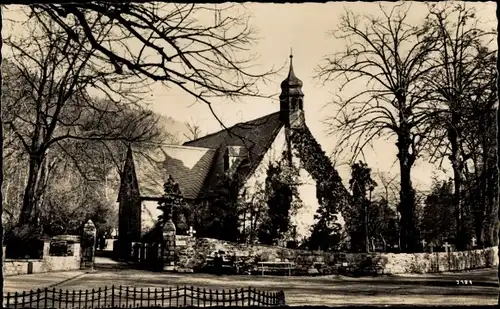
(132, 297)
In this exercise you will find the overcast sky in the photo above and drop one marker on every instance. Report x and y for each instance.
(303, 27)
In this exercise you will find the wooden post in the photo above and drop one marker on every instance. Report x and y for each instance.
(204, 298)
(185, 298)
(148, 296)
(99, 298)
(79, 298)
(141, 298)
(73, 299)
(67, 298)
(177, 294)
(162, 296)
(134, 298)
(105, 294)
(170, 297)
(37, 299)
(15, 300)
(120, 297)
(113, 296)
(198, 296)
(92, 299)
(54, 298)
(249, 296)
(126, 297)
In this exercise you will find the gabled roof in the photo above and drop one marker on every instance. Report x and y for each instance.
(255, 135)
(188, 166)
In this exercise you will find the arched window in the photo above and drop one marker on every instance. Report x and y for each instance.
(301, 104)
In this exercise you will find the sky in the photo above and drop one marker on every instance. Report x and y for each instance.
(303, 27)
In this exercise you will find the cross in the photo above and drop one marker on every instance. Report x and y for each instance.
(191, 231)
(446, 246)
(423, 242)
(474, 242)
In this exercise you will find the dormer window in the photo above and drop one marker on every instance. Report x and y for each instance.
(234, 156)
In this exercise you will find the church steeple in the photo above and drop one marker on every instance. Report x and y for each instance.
(292, 99)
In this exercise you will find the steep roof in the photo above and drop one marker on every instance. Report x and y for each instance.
(188, 166)
(255, 135)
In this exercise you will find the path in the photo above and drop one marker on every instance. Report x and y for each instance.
(433, 289)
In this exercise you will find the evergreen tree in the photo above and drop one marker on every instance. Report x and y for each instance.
(361, 185)
(281, 190)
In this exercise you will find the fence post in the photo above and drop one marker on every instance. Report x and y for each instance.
(185, 298)
(170, 296)
(198, 296)
(79, 298)
(73, 300)
(162, 296)
(134, 298)
(242, 297)
(177, 295)
(120, 297)
(235, 297)
(99, 298)
(148, 296)
(113, 296)
(15, 300)
(54, 298)
(142, 298)
(204, 297)
(282, 298)
(249, 295)
(37, 298)
(126, 297)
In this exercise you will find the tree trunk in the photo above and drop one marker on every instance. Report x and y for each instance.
(454, 136)
(409, 237)
(30, 199)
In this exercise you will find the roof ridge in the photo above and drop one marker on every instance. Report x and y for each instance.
(239, 124)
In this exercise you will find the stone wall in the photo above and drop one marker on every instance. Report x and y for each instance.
(46, 264)
(192, 253)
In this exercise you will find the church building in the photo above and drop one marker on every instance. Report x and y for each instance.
(245, 151)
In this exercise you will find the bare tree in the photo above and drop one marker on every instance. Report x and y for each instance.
(53, 109)
(390, 56)
(194, 130)
(461, 60)
(175, 48)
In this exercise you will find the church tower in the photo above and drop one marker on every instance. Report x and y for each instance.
(292, 100)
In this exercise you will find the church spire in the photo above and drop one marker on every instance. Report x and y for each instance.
(292, 98)
(292, 82)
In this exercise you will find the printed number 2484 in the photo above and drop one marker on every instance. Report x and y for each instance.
(464, 281)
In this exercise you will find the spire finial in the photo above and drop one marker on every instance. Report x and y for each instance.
(291, 54)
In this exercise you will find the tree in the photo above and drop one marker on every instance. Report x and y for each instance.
(194, 130)
(390, 55)
(362, 186)
(53, 112)
(326, 232)
(281, 190)
(459, 62)
(203, 60)
(438, 224)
